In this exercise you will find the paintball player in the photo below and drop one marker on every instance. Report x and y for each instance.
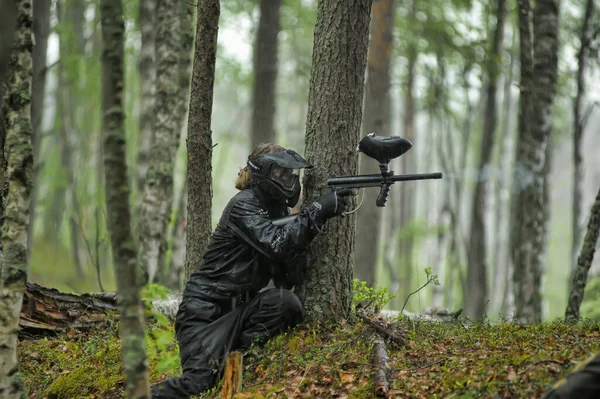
(582, 383)
(224, 306)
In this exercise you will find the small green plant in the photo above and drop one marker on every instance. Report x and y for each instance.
(366, 296)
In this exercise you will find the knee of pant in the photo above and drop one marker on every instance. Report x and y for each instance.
(292, 305)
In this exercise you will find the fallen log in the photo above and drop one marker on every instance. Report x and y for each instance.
(380, 361)
(47, 310)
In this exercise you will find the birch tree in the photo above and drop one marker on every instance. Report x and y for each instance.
(129, 281)
(158, 189)
(578, 127)
(335, 96)
(16, 191)
(147, 69)
(538, 48)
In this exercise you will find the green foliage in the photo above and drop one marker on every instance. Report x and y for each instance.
(368, 297)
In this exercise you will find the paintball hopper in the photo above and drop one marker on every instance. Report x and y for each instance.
(383, 148)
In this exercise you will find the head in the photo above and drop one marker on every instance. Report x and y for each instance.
(275, 170)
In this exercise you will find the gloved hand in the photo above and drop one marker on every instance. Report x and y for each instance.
(334, 203)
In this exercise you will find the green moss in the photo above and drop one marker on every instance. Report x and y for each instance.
(323, 360)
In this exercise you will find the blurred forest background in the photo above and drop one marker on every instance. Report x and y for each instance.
(440, 51)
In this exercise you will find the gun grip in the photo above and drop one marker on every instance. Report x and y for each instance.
(383, 194)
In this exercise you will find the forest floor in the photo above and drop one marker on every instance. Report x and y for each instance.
(441, 360)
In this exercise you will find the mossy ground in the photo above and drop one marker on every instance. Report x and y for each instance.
(443, 360)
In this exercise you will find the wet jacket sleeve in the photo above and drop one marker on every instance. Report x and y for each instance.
(253, 225)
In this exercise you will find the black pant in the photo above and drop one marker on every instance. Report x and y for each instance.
(206, 331)
(582, 383)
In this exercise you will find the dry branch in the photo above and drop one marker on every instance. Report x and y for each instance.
(386, 332)
(380, 361)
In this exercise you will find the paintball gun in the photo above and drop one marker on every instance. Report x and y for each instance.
(383, 149)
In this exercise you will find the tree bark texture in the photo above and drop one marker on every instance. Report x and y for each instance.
(476, 293)
(406, 195)
(129, 282)
(538, 87)
(332, 132)
(376, 118)
(18, 153)
(199, 143)
(578, 128)
(147, 70)
(41, 31)
(7, 30)
(265, 73)
(584, 262)
(158, 189)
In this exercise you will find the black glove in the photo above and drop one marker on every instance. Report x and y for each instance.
(334, 203)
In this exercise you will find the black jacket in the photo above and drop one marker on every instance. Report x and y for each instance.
(246, 249)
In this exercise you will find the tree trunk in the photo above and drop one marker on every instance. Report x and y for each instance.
(538, 87)
(407, 162)
(18, 152)
(332, 132)
(376, 118)
(476, 293)
(265, 73)
(578, 128)
(158, 190)
(41, 31)
(128, 278)
(147, 70)
(199, 141)
(66, 103)
(584, 262)
(505, 137)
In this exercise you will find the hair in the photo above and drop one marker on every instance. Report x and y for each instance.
(244, 178)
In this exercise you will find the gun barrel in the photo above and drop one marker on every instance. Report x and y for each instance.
(377, 179)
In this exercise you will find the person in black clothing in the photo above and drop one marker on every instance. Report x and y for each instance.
(224, 306)
(582, 383)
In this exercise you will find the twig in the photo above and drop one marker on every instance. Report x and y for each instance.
(301, 381)
(384, 331)
(89, 250)
(540, 362)
(414, 292)
(380, 362)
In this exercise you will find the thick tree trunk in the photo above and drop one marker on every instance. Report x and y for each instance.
(578, 127)
(332, 132)
(41, 32)
(147, 69)
(265, 73)
(158, 189)
(117, 189)
(376, 119)
(538, 87)
(584, 262)
(407, 162)
(199, 141)
(476, 293)
(18, 152)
